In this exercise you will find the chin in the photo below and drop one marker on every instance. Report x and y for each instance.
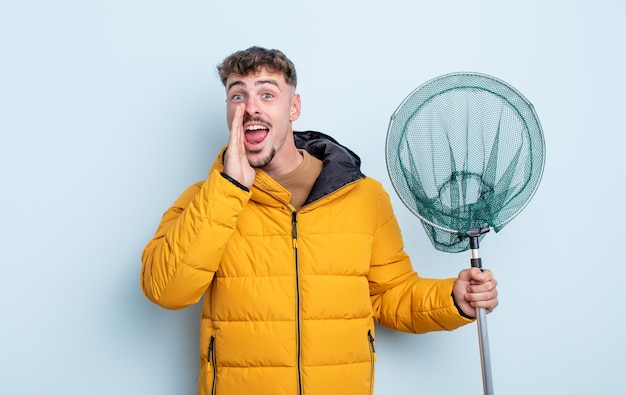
(259, 159)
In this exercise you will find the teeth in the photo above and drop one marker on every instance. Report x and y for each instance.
(255, 127)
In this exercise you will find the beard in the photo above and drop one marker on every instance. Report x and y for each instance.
(263, 161)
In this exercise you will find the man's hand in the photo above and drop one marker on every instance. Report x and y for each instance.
(236, 163)
(475, 288)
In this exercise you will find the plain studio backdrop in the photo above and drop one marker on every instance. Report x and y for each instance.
(109, 109)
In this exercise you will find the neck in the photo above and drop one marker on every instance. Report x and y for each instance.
(287, 159)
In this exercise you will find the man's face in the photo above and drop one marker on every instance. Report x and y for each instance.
(271, 105)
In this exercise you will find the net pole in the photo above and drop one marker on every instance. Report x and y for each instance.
(481, 322)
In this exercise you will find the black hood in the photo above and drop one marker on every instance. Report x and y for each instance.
(341, 165)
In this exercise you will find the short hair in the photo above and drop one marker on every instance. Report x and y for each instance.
(254, 59)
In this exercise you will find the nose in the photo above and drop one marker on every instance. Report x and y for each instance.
(252, 106)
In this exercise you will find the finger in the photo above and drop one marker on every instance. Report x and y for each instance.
(479, 276)
(489, 304)
(487, 300)
(236, 128)
(482, 292)
(486, 286)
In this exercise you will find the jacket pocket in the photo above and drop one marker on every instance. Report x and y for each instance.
(212, 365)
(371, 341)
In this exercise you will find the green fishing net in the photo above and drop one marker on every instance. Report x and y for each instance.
(464, 151)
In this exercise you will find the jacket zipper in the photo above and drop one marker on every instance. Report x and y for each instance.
(370, 338)
(294, 235)
(212, 362)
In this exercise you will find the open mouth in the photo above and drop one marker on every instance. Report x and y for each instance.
(255, 134)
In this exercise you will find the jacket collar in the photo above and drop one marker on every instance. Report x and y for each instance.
(341, 167)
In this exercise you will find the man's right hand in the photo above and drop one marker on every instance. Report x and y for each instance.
(236, 163)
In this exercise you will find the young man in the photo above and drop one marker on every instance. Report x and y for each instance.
(296, 253)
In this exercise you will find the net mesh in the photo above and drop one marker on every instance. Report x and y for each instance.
(464, 151)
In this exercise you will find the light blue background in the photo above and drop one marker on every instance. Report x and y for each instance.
(109, 109)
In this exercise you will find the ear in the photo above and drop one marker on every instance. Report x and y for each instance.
(296, 104)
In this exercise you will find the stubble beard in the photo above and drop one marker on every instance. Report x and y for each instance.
(264, 161)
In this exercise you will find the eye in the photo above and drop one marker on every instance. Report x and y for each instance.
(267, 95)
(237, 97)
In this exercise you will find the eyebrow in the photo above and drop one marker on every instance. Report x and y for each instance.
(259, 82)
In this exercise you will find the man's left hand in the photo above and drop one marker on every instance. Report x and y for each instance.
(475, 288)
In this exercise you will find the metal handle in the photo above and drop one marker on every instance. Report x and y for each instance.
(483, 342)
(481, 322)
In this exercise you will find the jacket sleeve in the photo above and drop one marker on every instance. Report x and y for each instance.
(401, 299)
(179, 263)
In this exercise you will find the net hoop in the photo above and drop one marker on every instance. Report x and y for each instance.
(425, 94)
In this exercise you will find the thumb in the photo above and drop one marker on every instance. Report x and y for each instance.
(477, 274)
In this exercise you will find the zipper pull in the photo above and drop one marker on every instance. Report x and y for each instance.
(210, 349)
(372, 341)
(294, 229)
